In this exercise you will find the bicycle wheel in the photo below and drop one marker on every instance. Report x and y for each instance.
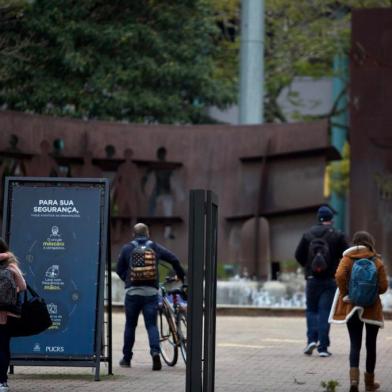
(181, 330)
(167, 338)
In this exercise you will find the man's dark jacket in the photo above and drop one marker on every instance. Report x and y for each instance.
(161, 253)
(337, 245)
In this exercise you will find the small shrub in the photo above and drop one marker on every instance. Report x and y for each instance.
(330, 386)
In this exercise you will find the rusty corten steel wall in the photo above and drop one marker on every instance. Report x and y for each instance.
(371, 127)
(210, 157)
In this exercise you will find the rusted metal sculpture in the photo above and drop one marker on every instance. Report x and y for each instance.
(126, 187)
(160, 198)
(88, 169)
(42, 165)
(232, 161)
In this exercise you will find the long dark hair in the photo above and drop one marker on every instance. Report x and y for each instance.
(11, 257)
(366, 239)
(3, 246)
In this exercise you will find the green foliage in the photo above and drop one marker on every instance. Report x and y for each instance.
(226, 56)
(339, 173)
(150, 61)
(289, 265)
(330, 386)
(11, 11)
(301, 39)
(226, 271)
(159, 61)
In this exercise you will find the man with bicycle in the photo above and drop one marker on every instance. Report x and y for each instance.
(137, 266)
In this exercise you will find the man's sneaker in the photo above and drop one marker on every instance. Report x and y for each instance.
(324, 354)
(156, 362)
(309, 348)
(123, 363)
(4, 387)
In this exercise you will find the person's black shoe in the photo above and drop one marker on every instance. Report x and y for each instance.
(324, 354)
(125, 364)
(310, 348)
(156, 362)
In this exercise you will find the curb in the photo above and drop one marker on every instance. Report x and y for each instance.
(253, 311)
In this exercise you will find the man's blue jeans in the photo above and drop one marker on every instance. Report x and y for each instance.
(319, 298)
(134, 304)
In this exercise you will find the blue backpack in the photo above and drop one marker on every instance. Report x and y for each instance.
(363, 286)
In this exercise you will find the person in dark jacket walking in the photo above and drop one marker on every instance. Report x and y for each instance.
(137, 266)
(319, 252)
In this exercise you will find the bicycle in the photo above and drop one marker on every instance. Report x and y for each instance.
(172, 325)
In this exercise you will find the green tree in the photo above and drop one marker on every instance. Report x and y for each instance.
(301, 39)
(139, 61)
(11, 11)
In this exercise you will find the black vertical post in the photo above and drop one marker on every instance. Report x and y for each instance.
(210, 292)
(195, 301)
(101, 281)
(203, 234)
(109, 300)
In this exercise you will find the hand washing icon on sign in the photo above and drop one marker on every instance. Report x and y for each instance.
(53, 271)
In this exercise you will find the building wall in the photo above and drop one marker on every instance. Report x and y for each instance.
(371, 127)
(305, 96)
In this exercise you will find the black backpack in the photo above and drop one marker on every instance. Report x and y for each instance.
(142, 265)
(319, 257)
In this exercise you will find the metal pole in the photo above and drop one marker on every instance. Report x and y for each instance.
(338, 129)
(260, 205)
(210, 292)
(196, 254)
(109, 299)
(252, 62)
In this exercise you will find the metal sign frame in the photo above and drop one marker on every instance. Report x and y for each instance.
(201, 326)
(103, 321)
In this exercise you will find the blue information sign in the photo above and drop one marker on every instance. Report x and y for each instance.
(55, 232)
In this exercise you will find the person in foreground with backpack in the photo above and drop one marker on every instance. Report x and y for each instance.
(319, 252)
(360, 278)
(11, 282)
(137, 266)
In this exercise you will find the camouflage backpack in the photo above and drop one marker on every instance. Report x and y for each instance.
(8, 290)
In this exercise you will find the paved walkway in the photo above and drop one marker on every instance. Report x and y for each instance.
(262, 354)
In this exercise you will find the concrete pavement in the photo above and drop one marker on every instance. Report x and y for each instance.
(254, 354)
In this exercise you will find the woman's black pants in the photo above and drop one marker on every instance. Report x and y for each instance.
(4, 352)
(355, 328)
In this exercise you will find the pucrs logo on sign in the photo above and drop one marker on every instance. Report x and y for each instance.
(54, 241)
(37, 348)
(54, 349)
(54, 207)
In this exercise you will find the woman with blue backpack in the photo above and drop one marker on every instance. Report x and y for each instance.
(360, 278)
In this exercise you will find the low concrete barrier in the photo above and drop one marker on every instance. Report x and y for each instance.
(223, 310)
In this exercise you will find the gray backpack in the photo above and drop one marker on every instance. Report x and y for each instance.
(8, 290)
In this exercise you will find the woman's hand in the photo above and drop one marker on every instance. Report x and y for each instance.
(346, 299)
